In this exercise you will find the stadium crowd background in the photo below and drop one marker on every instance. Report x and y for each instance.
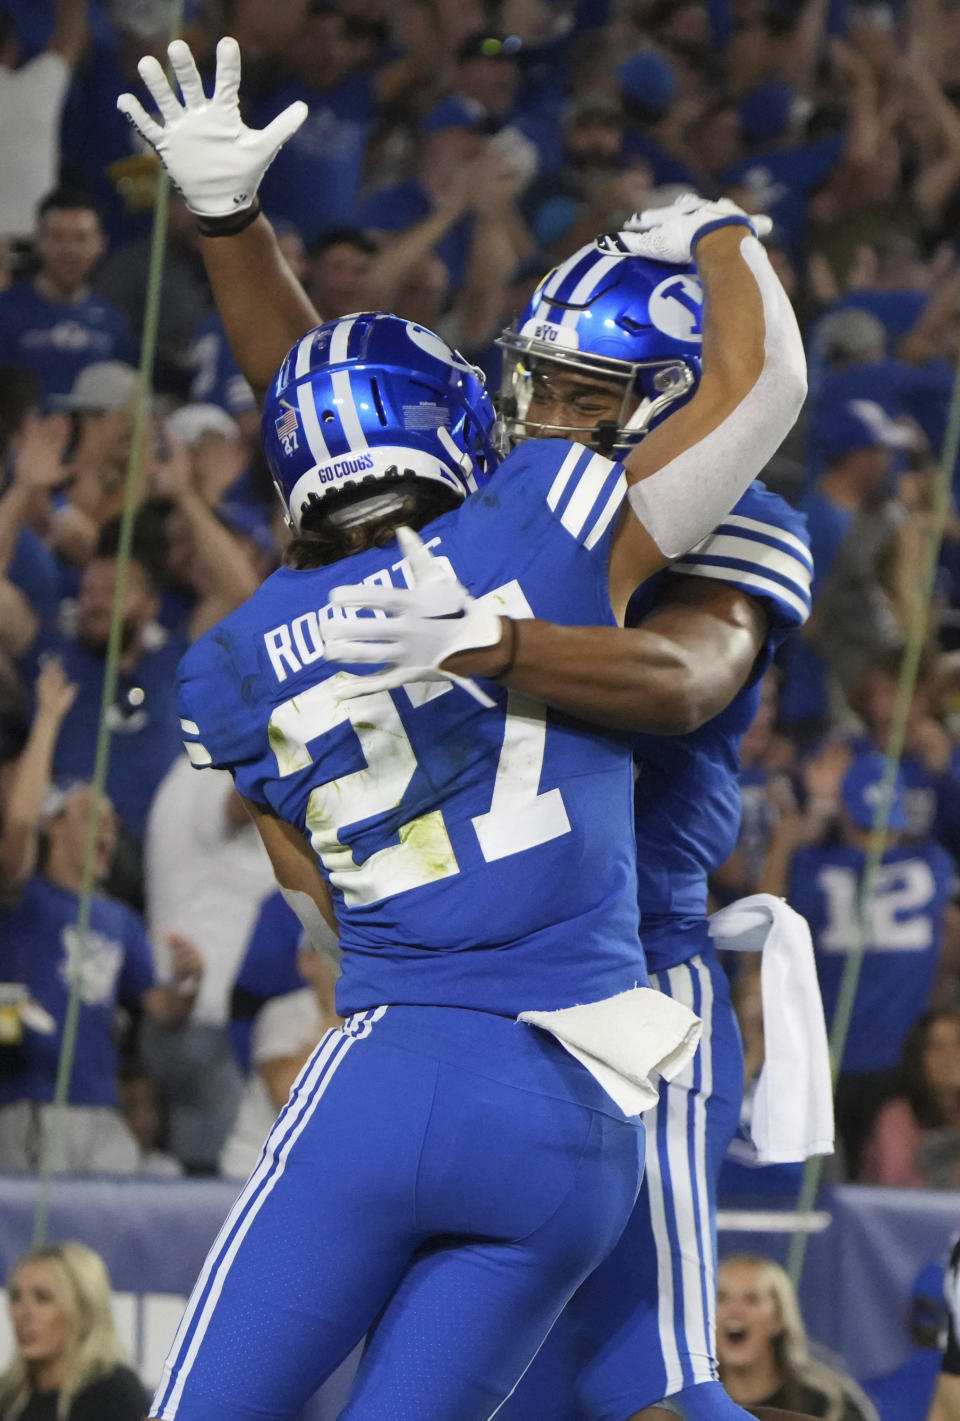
(454, 152)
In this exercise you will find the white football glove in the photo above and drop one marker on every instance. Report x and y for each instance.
(215, 160)
(425, 623)
(669, 234)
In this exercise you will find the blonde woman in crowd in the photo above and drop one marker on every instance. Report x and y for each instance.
(67, 1365)
(762, 1348)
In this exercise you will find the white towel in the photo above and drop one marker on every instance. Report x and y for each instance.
(626, 1042)
(793, 1103)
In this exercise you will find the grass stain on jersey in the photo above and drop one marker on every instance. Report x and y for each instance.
(428, 839)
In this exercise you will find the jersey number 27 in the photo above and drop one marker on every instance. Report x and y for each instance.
(519, 817)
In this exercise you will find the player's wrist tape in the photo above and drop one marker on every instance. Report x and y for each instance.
(491, 660)
(230, 225)
(732, 221)
(511, 634)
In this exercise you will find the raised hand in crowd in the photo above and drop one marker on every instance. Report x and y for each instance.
(55, 695)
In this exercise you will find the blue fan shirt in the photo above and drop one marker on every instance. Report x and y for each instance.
(57, 340)
(905, 931)
(41, 950)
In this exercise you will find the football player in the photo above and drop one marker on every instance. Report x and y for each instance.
(609, 347)
(605, 350)
(438, 1167)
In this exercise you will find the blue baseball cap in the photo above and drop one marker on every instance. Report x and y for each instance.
(861, 790)
(455, 113)
(646, 78)
(857, 424)
(765, 112)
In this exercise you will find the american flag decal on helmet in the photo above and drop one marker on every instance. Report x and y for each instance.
(286, 424)
(287, 427)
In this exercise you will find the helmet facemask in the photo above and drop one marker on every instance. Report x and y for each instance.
(638, 394)
(620, 335)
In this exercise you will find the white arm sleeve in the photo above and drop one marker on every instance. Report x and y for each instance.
(315, 925)
(686, 499)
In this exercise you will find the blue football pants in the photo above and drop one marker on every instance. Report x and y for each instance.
(642, 1326)
(442, 1179)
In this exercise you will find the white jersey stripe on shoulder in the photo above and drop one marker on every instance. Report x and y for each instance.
(612, 506)
(347, 410)
(588, 489)
(585, 288)
(197, 753)
(573, 456)
(772, 530)
(761, 555)
(313, 1081)
(189, 727)
(751, 582)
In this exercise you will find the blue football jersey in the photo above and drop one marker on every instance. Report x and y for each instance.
(905, 930)
(478, 857)
(687, 795)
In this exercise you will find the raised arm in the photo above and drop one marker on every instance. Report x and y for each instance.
(263, 307)
(69, 30)
(18, 843)
(218, 164)
(691, 469)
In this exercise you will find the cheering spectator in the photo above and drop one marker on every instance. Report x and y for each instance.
(145, 1112)
(856, 442)
(456, 161)
(142, 718)
(103, 407)
(31, 99)
(67, 1362)
(207, 559)
(206, 877)
(42, 856)
(930, 764)
(915, 1140)
(903, 934)
(338, 272)
(762, 1347)
(314, 181)
(55, 323)
(31, 449)
(766, 792)
(122, 280)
